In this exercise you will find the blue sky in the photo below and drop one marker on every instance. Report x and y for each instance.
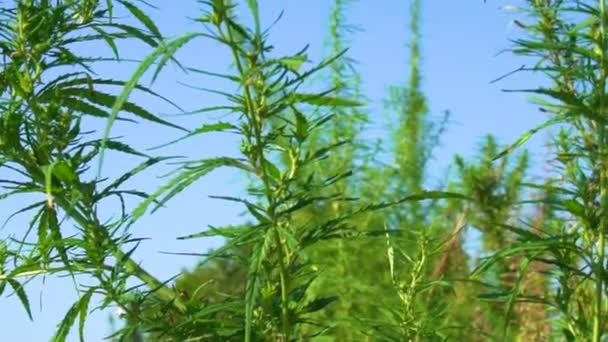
(460, 43)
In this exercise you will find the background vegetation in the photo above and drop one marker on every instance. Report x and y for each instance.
(346, 238)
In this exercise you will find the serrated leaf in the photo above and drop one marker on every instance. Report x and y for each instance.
(107, 100)
(134, 32)
(526, 136)
(122, 147)
(426, 195)
(108, 39)
(83, 312)
(142, 17)
(85, 108)
(126, 176)
(89, 82)
(20, 291)
(66, 324)
(206, 128)
(191, 174)
(325, 100)
(232, 78)
(229, 232)
(121, 99)
(170, 51)
(257, 213)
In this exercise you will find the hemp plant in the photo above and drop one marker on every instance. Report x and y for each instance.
(48, 89)
(274, 120)
(497, 190)
(568, 41)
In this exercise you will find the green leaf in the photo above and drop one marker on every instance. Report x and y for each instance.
(426, 195)
(48, 221)
(523, 248)
(110, 7)
(116, 145)
(253, 7)
(515, 292)
(257, 213)
(83, 312)
(206, 128)
(142, 17)
(77, 309)
(170, 51)
(107, 100)
(324, 100)
(232, 78)
(293, 63)
(134, 32)
(121, 100)
(526, 136)
(19, 290)
(570, 102)
(89, 82)
(229, 232)
(255, 210)
(109, 40)
(574, 208)
(301, 126)
(319, 304)
(251, 293)
(139, 168)
(494, 296)
(192, 172)
(85, 108)
(272, 170)
(64, 172)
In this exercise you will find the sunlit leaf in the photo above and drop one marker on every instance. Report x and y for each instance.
(20, 291)
(325, 100)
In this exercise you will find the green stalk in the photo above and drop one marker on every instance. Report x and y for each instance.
(410, 143)
(262, 174)
(286, 327)
(132, 267)
(345, 304)
(597, 319)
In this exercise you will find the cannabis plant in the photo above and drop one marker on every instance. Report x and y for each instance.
(274, 119)
(49, 91)
(567, 39)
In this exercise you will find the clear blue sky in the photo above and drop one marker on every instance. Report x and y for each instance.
(460, 41)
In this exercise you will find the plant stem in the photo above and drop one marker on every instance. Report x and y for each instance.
(285, 324)
(258, 162)
(597, 319)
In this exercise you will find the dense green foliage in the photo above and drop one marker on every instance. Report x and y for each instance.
(344, 241)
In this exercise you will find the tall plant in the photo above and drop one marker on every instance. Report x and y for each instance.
(568, 41)
(274, 125)
(48, 90)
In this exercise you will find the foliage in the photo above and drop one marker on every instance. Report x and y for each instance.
(342, 242)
